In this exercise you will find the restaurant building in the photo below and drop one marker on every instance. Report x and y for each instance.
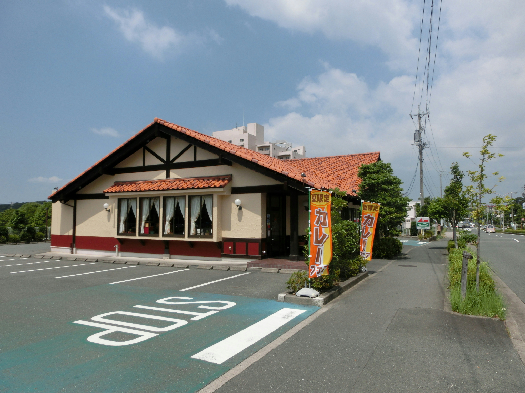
(171, 192)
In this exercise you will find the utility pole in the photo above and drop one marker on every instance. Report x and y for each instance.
(418, 141)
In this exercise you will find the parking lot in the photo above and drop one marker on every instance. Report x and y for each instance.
(76, 325)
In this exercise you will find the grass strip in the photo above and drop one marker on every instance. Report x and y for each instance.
(485, 302)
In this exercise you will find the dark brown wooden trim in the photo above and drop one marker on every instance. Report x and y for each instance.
(273, 188)
(194, 153)
(155, 154)
(181, 153)
(168, 154)
(236, 159)
(81, 197)
(175, 165)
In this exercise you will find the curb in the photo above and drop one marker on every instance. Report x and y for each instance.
(163, 263)
(324, 298)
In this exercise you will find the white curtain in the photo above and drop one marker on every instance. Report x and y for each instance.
(181, 201)
(170, 210)
(208, 200)
(195, 206)
(156, 203)
(144, 213)
(133, 206)
(123, 214)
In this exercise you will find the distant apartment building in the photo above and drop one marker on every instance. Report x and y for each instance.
(252, 137)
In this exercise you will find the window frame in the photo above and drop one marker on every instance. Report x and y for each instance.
(185, 214)
(119, 219)
(201, 196)
(139, 226)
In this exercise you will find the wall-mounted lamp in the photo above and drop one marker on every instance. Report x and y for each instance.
(305, 205)
(238, 204)
(106, 207)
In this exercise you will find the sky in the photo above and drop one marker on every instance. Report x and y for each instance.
(80, 77)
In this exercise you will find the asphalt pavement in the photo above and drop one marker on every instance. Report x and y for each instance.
(389, 333)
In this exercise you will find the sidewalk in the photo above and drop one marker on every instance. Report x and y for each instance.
(389, 333)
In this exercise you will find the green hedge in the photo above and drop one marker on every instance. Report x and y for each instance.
(386, 248)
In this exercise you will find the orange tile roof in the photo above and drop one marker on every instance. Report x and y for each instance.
(170, 184)
(321, 172)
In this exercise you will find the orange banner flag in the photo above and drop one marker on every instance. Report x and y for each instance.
(320, 233)
(368, 228)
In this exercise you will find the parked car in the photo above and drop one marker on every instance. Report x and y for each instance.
(490, 229)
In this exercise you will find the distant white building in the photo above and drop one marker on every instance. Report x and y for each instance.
(252, 137)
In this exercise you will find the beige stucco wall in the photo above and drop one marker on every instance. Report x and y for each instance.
(105, 181)
(241, 176)
(93, 220)
(245, 223)
(62, 221)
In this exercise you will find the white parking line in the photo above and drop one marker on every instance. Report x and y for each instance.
(97, 271)
(232, 345)
(51, 268)
(212, 282)
(140, 278)
(28, 263)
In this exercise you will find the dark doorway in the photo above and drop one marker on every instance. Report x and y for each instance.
(276, 225)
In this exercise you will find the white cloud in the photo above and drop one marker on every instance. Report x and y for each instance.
(155, 40)
(106, 131)
(385, 24)
(41, 179)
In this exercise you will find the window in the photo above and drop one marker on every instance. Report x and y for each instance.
(174, 213)
(149, 216)
(242, 140)
(127, 218)
(201, 215)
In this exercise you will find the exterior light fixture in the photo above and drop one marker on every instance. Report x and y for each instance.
(305, 205)
(238, 204)
(106, 207)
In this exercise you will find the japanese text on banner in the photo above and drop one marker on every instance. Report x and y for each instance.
(320, 233)
(368, 228)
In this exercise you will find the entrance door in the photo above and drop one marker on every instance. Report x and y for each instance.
(276, 225)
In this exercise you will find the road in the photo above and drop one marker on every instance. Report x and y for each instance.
(78, 326)
(506, 255)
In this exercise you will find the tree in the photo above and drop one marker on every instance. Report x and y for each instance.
(42, 215)
(423, 211)
(380, 185)
(503, 205)
(5, 217)
(454, 204)
(478, 190)
(18, 221)
(29, 210)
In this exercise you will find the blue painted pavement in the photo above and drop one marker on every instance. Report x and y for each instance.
(44, 350)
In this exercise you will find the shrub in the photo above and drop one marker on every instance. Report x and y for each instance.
(3, 239)
(297, 281)
(43, 230)
(428, 234)
(39, 237)
(31, 231)
(25, 236)
(467, 237)
(349, 268)
(386, 248)
(413, 229)
(4, 232)
(14, 239)
(450, 245)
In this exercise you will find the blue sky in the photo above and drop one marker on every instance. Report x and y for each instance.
(79, 77)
